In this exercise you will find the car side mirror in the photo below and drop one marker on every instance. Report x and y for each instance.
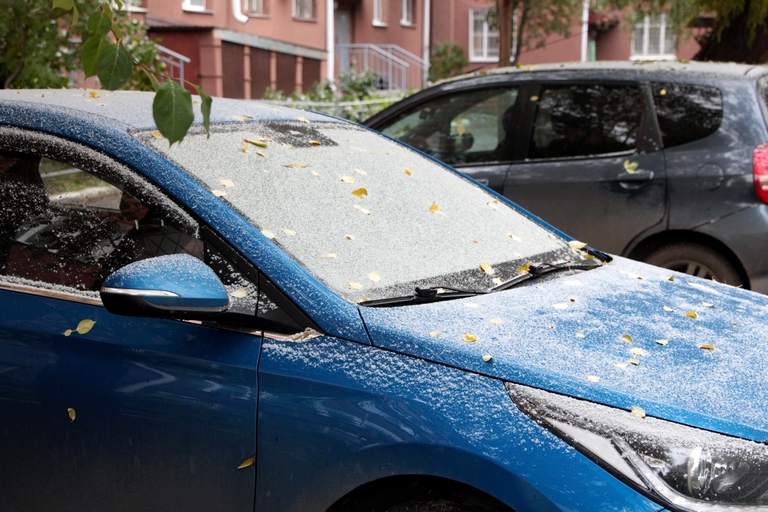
(175, 286)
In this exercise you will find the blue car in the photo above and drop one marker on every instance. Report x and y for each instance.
(296, 313)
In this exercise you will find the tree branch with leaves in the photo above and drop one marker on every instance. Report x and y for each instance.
(105, 55)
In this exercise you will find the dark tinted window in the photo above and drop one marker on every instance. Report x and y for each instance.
(582, 120)
(466, 127)
(687, 112)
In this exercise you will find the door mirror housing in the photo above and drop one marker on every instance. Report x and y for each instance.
(175, 286)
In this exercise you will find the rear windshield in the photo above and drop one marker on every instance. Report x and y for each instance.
(687, 112)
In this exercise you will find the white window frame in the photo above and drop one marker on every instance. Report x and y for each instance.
(486, 33)
(303, 9)
(378, 13)
(406, 16)
(194, 5)
(666, 54)
(255, 7)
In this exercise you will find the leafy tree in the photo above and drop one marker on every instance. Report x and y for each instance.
(530, 23)
(740, 31)
(447, 60)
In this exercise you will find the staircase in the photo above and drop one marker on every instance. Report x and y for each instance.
(395, 68)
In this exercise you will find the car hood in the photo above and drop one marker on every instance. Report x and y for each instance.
(581, 335)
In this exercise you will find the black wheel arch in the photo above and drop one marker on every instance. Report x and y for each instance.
(640, 250)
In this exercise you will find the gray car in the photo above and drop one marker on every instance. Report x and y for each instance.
(665, 163)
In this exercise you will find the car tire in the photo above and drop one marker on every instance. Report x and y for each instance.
(696, 260)
(444, 505)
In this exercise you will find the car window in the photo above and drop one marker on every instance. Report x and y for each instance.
(687, 112)
(68, 228)
(463, 128)
(391, 219)
(584, 120)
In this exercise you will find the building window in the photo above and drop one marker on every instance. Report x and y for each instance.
(255, 6)
(407, 15)
(483, 40)
(652, 39)
(193, 5)
(303, 9)
(378, 13)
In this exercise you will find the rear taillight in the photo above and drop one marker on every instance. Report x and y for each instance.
(760, 171)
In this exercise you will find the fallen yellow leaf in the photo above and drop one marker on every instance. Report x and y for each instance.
(707, 304)
(72, 414)
(94, 94)
(246, 463)
(668, 309)
(515, 237)
(347, 179)
(487, 268)
(633, 361)
(534, 98)
(245, 147)
(355, 285)
(303, 119)
(85, 326)
(296, 166)
(487, 358)
(434, 208)
(707, 346)
(409, 173)
(68, 332)
(496, 321)
(315, 173)
(580, 334)
(267, 233)
(435, 334)
(638, 351)
(255, 142)
(289, 232)
(638, 412)
(470, 337)
(239, 294)
(157, 135)
(671, 278)
(626, 337)
(362, 209)
(575, 244)
(360, 192)
(261, 154)
(525, 268)
(218, 193)
(350, 237)
(374, 276)
(691, 314)
(315, 142)
(630, 167)
(331, 255)
(593, 378)
(662, 342)
(227, 183)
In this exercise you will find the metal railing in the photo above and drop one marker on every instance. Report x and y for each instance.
(174, 61)
(357, 111)
(395, 68)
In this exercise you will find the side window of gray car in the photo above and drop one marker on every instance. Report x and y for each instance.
(461, 128)
(579, 120)
(687, 112)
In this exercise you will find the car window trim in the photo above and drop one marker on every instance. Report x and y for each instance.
(30, 289)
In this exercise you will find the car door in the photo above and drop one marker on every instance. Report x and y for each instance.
(592, 167)
(472, 130)
(105, 412)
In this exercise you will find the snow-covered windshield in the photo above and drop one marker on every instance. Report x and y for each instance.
(367, 216)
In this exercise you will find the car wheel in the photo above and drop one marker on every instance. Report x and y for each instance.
(443, 505)
(696, 260)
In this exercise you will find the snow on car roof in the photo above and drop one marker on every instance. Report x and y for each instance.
(134, 109)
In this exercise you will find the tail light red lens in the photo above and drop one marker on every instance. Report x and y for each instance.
(760, 171)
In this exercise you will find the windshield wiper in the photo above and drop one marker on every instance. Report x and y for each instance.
(424, 295)
(537, 270)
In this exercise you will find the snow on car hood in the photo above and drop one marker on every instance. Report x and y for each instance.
(626, 334)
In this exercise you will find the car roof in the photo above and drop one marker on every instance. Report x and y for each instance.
(624, 69)
(134, 109)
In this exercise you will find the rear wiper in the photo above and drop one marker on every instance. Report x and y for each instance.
(537, 270)
(424, 295)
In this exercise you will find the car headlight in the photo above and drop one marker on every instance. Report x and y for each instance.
(684, 468)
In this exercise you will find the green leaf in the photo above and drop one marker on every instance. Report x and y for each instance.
(100, 23)
(116, 30)
(119, 5)
(152, 79)
(115, 66)
(89, 55)
(205, 108)
(172, 111)
(67, 5)
(75, 15)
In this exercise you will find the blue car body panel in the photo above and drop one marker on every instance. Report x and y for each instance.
(334, 415)
(539, 344)
(129, 408)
